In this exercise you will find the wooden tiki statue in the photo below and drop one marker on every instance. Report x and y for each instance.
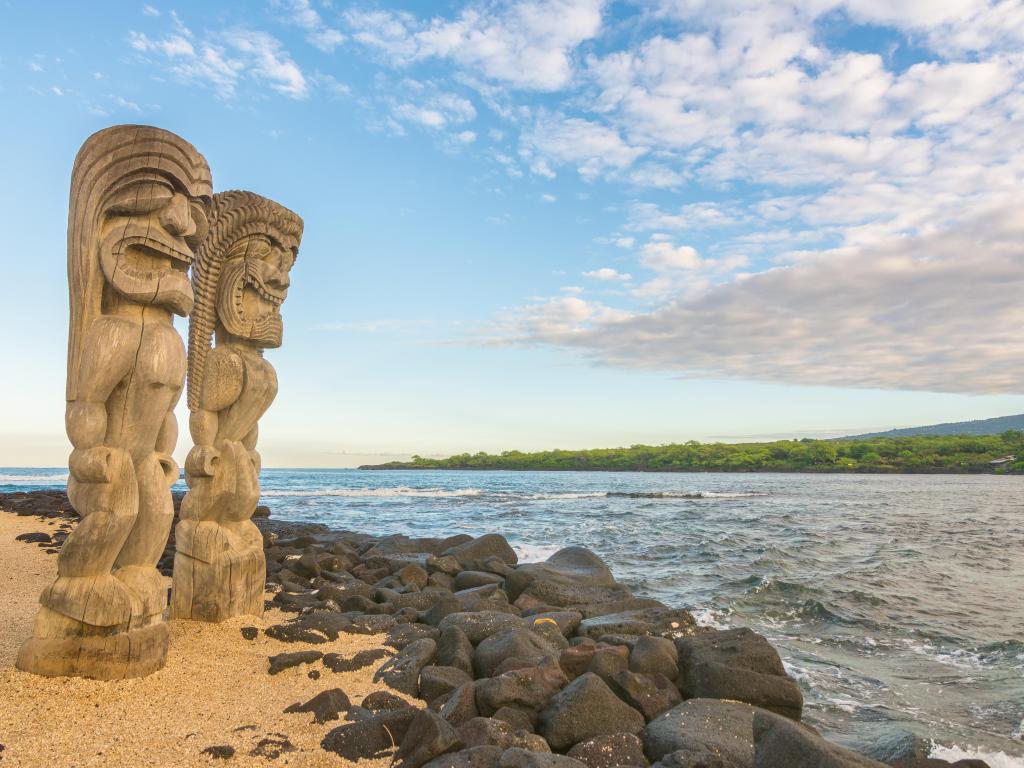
(240, 279)
(139, 202)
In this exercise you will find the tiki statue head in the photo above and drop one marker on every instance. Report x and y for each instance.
(240, 277)
(139, 200)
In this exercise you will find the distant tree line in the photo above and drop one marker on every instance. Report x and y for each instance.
(921, 454)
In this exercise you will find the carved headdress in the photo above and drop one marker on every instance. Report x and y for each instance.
(106, 164)
(243, 227)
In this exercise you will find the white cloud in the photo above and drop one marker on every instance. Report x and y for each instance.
(222, 60)
(149, 10)
(608, 274)
(663, 256)
(911, 313)
(270, 62)
(592, 147)
(528, 44)
(548, 198)
(319, 34)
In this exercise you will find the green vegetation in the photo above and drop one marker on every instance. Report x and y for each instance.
(924, 454)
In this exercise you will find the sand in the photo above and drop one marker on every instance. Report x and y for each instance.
(25, 570)
(215, 690)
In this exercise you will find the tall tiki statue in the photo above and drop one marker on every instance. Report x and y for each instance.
(240, 279)
(139, 201)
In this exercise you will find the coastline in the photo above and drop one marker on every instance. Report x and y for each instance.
(534, 647)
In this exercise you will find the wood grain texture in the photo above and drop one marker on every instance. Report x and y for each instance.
(240, 279)
(138, 209)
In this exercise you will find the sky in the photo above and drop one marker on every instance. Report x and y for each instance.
(559, 223)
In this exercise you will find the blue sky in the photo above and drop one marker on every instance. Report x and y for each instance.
(561, 223)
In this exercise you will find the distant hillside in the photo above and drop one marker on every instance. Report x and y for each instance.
(994, 426)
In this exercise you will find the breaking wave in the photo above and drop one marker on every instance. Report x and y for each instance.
(434, 493)
(54, 479)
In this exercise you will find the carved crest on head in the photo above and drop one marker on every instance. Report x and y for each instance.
(240, 277)
(138, 209)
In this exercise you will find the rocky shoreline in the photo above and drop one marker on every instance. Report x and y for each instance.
(489, 663)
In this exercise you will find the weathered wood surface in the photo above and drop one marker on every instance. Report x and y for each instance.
(138, 209)
(240, 278)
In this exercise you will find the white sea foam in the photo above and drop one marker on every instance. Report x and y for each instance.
(709, 617)
(994, 759)
(438, 493)
(535, 553)
(34, 479)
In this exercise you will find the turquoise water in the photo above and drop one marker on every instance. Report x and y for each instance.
(896, 601)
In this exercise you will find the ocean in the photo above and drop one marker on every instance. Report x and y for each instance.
(897, 602)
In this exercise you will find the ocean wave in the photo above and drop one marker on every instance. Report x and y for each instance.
(710, 617)
(535, 553)
(684, 494)
(34, 479)
(994, 759)
(437, 493)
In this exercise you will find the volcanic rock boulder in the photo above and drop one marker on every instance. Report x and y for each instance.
(528, 689)
(703, 730)
(781, 743)
(571, 576)
(583, 709)
(616, 750)
(428, 737)
(475, 555)
(739, 665)
(515, 642)
(403, 671)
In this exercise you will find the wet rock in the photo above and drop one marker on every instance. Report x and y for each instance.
(571, 576)
(474, 757)
(249, 633)
(436, 681)
(702, 730)
(455, 650)
(315, 627)
(338, 663)
(325, 706)
(529, 688)
(479, 626)
(516, 757)
(428, 737)
(615, 750)
(473, 554)
(220, 751)
(283, 661)
(654, 655)
(931, 762)
(650, 695)
(781, 743)
(262, 511)
(403, 671)
(645, 621)
(740, 665)
(585, 708)
(516, 642)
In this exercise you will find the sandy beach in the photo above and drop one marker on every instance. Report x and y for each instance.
(214, 691)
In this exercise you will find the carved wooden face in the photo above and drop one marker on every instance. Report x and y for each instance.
(150, 229)
(253, 285)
